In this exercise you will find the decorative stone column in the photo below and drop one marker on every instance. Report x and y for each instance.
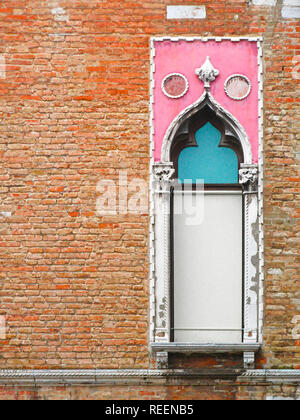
(248, 178)
(163, 175)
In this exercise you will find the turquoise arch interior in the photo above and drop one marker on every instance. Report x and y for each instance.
(208, 161)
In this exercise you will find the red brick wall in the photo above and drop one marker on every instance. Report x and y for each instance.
(220, 390)
(74, 109)
(150, 392)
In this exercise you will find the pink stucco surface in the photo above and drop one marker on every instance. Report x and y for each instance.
(184, 57)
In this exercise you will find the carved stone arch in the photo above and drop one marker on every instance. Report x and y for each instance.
(181, 132)
(186, 135)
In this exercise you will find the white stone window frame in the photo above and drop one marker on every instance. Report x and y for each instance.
(161, 174)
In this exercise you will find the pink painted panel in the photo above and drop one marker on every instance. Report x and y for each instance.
(184, 57)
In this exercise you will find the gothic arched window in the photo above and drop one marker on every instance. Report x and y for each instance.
(206, 254)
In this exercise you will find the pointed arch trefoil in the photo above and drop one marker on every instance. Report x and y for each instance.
(233, 130)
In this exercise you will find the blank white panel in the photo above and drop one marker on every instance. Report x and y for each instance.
(208, 271)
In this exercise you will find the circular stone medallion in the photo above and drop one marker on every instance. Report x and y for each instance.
(175, 85)
(237, 87)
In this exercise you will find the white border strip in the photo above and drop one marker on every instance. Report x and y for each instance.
(205, 39)
(261, 190)
(151, 199)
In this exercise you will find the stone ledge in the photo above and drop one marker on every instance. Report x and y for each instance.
(113, 377)
(205, 348)
(142, 376)
(271, 375)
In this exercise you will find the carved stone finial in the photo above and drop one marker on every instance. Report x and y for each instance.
(207, 73)
(248, 177)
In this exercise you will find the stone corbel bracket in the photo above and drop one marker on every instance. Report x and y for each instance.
(249, 360)
(162, 360)
(248, 178)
